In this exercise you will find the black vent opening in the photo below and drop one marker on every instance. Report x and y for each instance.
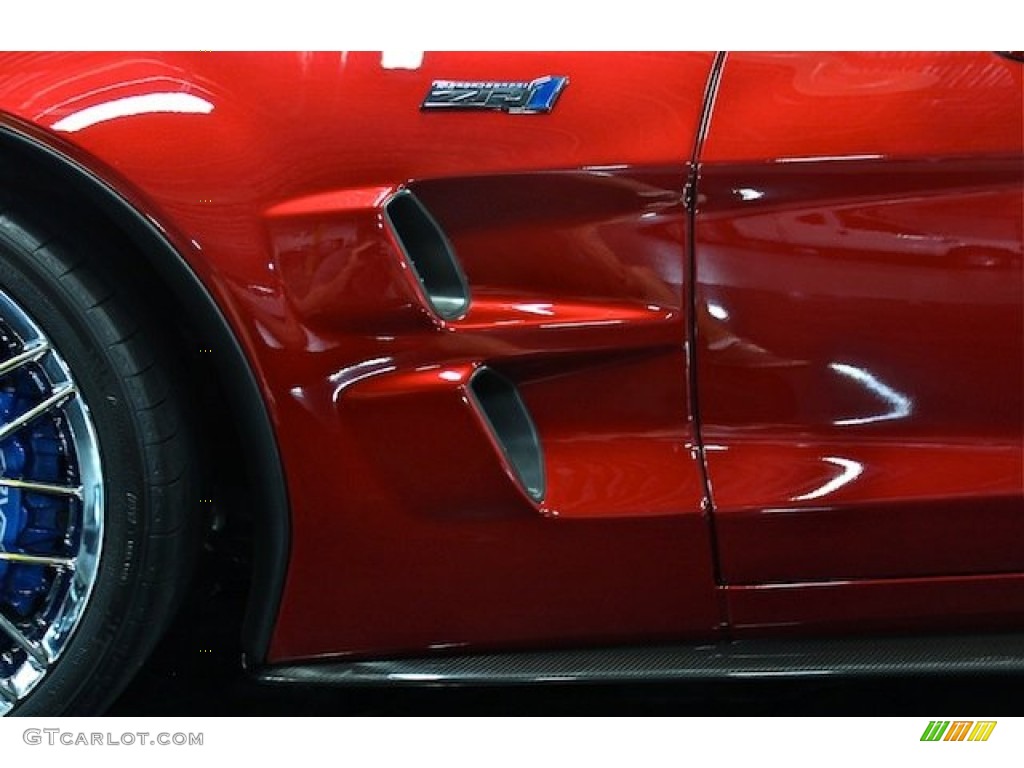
(429, 254)
(511, 425)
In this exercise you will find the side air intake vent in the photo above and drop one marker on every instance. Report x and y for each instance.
(429, 254)
(512, 426)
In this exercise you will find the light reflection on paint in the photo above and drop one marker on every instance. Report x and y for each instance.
(128, 106)
(899, 405)
(718, 312)
(346, 377)
(583, 324)
(824, 158)
(536, 308)
(601, 169)
(851, 470)
(747, 193)
(401, 59)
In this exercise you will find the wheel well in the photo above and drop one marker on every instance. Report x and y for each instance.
(236, 442)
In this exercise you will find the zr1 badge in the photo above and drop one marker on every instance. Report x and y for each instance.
(532, 98)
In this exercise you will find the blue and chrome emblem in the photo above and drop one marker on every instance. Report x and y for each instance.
(517, 98)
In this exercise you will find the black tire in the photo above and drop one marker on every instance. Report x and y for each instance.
(122, 371)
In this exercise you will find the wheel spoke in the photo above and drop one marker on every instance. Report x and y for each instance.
(30, 354)
(43, 593)
(28, 485)
(26, 559)
(26, 645)
(59, 397)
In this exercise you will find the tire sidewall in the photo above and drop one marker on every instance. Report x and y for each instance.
(76, 681)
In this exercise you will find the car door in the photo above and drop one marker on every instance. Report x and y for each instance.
(859, 303)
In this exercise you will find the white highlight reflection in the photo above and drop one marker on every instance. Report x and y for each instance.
(899, 404)
(825, 158)
(149, 103)
(851, 470)
(353, 374)
(536, 308)
(401, 59)
(414, 677)
(717, 311)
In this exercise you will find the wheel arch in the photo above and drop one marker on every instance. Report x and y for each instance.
(236, 376)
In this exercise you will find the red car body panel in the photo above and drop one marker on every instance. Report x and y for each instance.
(883, 260)
(860, 294)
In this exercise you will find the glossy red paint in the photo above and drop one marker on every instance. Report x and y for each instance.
(859, 294)
(858, 326)
(269, 172)
(866, 607)
(775, 107)
(594, 342)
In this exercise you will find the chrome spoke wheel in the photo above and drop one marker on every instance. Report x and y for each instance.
(51, 504)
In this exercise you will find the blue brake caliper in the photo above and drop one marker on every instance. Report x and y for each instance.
(29, 522)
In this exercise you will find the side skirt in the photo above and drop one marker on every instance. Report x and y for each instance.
(859, 657)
